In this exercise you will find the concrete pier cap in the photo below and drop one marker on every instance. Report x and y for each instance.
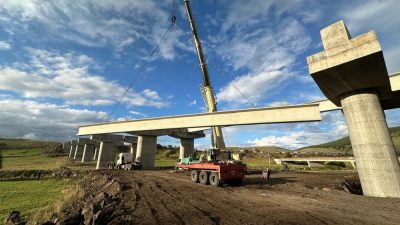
(186, 147)
(351, 72)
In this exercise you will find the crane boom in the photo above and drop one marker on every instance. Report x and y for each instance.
(206, 88)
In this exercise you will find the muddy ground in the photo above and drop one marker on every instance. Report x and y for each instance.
(161, 197)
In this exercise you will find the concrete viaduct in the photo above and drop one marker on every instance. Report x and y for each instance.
(352, 74)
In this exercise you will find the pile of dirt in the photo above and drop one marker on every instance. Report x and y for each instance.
(64, 172)
(56, 150)
(351, 185)
(101, 203)
(161, 197)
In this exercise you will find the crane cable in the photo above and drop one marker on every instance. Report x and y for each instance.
(173, 20)
(147, 61)
(237, 89)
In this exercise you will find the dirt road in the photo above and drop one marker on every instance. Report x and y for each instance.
(160, 197)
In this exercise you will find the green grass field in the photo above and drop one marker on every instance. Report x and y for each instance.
(30, 159)
(30, 195)
(165, 162)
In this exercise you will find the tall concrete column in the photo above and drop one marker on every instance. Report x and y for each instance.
(105, 155)
(72, 151)
(146, 151)
(78, 151)
(88, 152)
(373, 148)
(96, 151)
(66, 146)
(133, 148)
(186, 148)
(351, 72)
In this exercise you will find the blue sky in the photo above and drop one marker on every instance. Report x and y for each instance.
(66, 63)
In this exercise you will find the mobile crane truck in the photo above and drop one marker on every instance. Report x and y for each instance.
(208, 169)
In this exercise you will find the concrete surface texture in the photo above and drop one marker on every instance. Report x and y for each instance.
(352, 74)
(146, 151)
(96, 151)
(349, 64)
(186, 147)
(67, 146)
(88, 152)
(105, 155)
(132, 150)
(286, 114)
(72, 149)
(373, 149)
(78, 152)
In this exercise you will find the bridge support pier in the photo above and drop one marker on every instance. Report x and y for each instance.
(88, 152)
(78, 151)
(96, 151)
(351, 72)
(146, 151)
(72, 149)
(186, 148)
(105, 155)
(67, 146)
(373, 148)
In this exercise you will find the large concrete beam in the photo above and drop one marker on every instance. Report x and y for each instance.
(287, 114)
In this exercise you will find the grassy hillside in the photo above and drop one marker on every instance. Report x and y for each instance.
(343, 145)
(7, 143)
(22, 154)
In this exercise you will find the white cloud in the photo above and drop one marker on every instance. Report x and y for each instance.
(298, 135)
(381, 16)
(4, 45)
(44, 121)
(277, 104)
(94, 23)
(138, 113)
(68, 77)
(267, 50)
(253, 86)
(194, 102)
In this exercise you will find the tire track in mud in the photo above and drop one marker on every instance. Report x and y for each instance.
(158, 197)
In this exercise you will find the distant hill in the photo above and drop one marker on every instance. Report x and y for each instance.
(9, 143)
(343, 145)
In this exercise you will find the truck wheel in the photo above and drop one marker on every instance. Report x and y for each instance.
(214, 179)
(203, 177)
(194, 174)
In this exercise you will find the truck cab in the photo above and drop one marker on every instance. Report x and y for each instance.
(124, 158)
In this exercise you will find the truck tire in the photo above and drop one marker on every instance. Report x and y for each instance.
(194, 175)
(203, 177)
(214, 179)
